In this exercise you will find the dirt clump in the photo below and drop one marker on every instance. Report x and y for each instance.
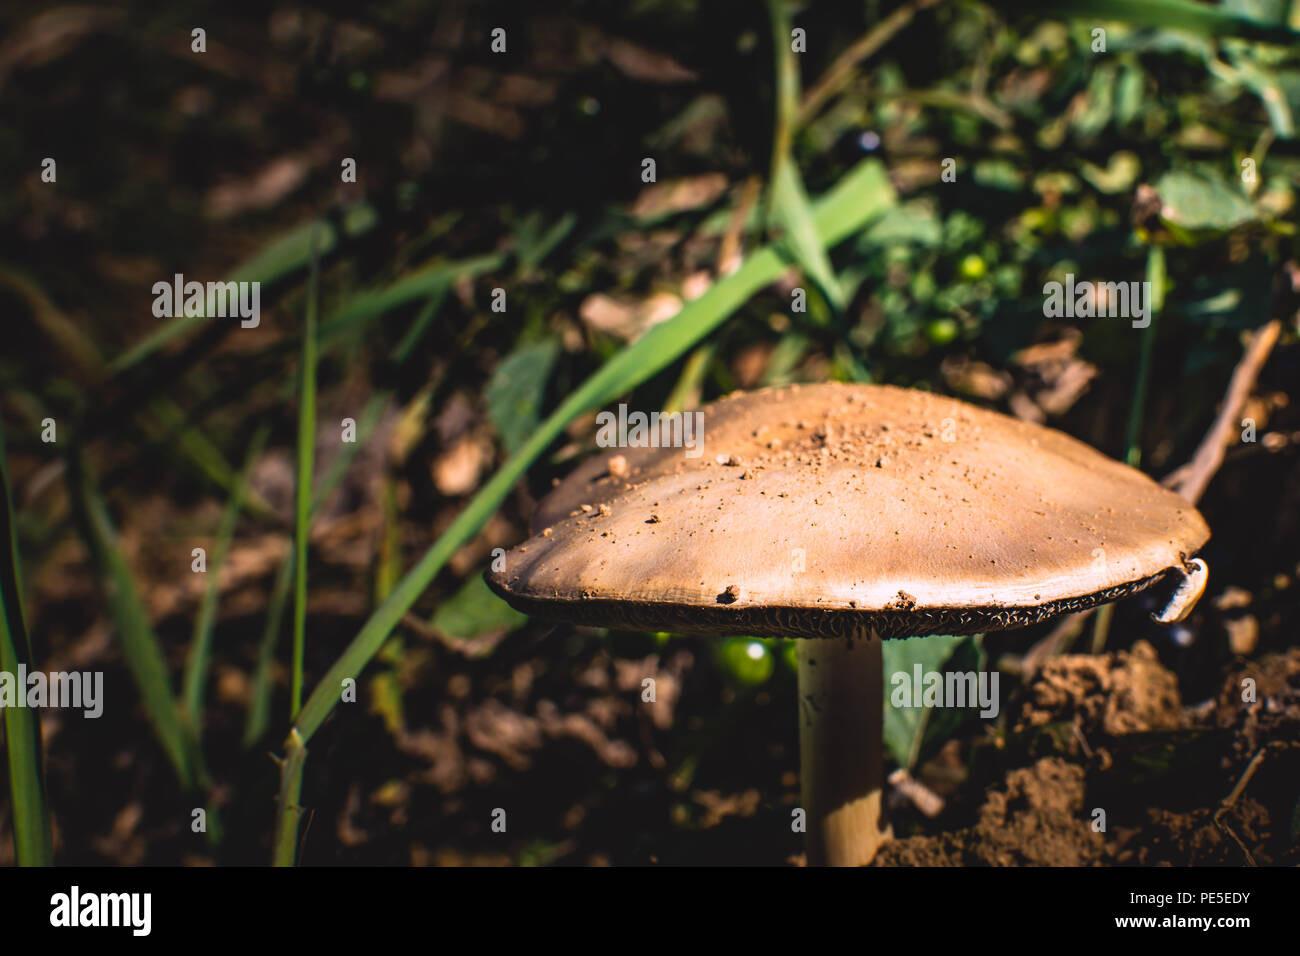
(1125, 692)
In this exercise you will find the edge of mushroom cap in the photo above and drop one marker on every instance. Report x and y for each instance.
(771, 621)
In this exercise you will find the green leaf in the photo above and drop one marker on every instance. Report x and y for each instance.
(1196, 201)
(1236, 297)
(516, 389)
(905, 727)
(475, 611)
(791, 209)
(913, 223)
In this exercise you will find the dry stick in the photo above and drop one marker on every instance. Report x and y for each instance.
(1240, 788)
(1191, 479)
(1232, 798)
(840, 73)
(921, 796)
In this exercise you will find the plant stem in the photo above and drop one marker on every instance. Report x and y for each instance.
(22, 729)
(1155, 302)
(787, 86)
(841, 727)
(306, 452)
(289, 812)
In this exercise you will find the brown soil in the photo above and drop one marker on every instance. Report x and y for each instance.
(1177, 784)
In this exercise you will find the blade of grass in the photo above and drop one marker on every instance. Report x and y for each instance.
(1201, 18)
(787, 202)
(164, 423)
(281, 258)
(33, 845)
(207, 458)
(302, 499)
(841, 73)
(787, 86)
(140, 647)
(259, 708)
(686, 393)
(421, 324)
(418, 285)
(197, 664)
(789, 205)
(1155, 277)
(863, 193)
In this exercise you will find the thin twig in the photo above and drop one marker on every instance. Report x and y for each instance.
(840, 73)
(1191, 479)
(1233, 797)
(920, 796)
(1240, 787)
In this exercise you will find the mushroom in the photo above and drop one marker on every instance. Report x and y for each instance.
(977, 522)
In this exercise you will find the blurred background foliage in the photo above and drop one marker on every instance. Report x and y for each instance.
(1171, 142)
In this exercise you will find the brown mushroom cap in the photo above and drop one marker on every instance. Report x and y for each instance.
(819, 510)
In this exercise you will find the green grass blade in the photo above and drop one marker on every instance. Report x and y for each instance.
(302, 499)
(861, 195)
(200, 656)
(1155, 275)
(191, 443)
(421, 324)
(279, 259)
(1155, 278)
(22, 730)
(1200, 18)
(259, 708)
(787, 201)
(790, 208)
(140, 647)
(421, 284)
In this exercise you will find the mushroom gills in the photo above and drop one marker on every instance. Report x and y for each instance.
(1191, 586)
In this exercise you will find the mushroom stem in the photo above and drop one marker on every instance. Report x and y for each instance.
(841, 722)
